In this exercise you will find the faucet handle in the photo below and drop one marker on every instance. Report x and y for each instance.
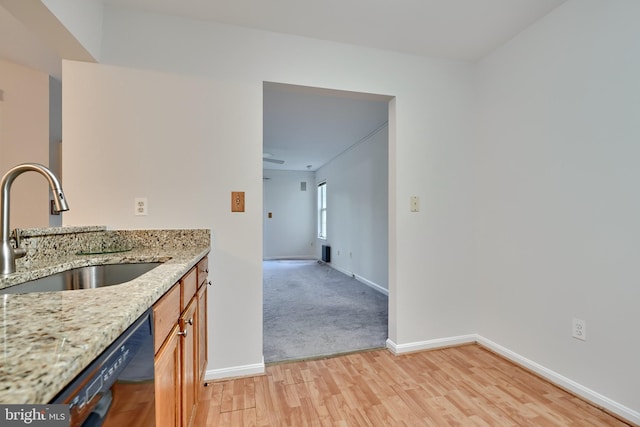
(18, 251)
(15, 235)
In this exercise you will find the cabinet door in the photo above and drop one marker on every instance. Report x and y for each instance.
(201, 326)
(167, 381)
(189, 367)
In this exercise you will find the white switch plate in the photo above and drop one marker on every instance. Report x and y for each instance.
(141, 206)
(415, 203)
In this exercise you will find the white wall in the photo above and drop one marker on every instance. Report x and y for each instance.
(83, 19)
(179, 112)
(357, 210)
(20, 45)
(522, 227)
(24, 137)
(130, 133)
(290, 232)
(70, 28)
(558, 204)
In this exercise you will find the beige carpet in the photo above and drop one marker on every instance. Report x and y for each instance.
(313, 310)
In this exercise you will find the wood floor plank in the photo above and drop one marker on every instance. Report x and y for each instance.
(459, 386)
(238, 394)
(267, 408)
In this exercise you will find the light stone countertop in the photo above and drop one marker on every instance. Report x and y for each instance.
(48, 338)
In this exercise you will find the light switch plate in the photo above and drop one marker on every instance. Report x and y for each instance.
(237, 201)
(415, 204)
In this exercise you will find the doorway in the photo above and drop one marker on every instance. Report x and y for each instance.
(313, 136)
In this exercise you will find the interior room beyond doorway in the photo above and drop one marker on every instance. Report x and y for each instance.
(317, 136)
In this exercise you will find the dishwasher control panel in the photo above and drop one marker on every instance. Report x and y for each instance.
(89, 395)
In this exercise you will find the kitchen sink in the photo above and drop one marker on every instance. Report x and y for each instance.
(95, 276)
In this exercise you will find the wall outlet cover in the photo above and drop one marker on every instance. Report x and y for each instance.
(141, 206)
(579, 330)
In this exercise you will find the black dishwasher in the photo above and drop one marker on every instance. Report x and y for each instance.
(118, 387)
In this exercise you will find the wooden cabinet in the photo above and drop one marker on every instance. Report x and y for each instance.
(180, 328)
(202, 333)
(165, 314)
(167, 380)
(188, 287)
(189, 365)
(203, 273)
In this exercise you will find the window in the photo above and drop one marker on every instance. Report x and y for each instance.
(322, 210)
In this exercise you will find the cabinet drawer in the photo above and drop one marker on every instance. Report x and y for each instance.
(165, 315)
(188, 285)
(203, 271)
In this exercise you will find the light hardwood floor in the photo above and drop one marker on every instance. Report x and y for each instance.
(459, 386)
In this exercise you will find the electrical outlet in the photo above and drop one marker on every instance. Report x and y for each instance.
(141, 206)
(579, 329)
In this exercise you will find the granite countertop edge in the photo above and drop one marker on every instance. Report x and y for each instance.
(47, 339)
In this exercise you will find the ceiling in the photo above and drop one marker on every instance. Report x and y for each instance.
(456, 29)
(306, 126)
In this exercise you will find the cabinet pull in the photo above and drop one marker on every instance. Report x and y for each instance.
(206, 270)
(210, 283)
(183, 333)
(190, 321)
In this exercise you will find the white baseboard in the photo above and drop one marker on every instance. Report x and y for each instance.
(292, 257)
(563, 382)
(235, 371)
(431, 344)
(360, 279)
(375, 286)
(340, 269)
(585, 393)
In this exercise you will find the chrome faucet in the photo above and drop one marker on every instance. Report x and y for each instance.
(8, 253)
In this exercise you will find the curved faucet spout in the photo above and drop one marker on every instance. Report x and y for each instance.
(7, 252)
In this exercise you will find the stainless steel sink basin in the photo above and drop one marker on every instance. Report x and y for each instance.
(84, 278)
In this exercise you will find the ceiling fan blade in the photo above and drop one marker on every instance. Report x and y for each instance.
(273, 161)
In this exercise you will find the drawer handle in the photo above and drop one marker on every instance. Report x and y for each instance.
(183, 333)
(206, 270)
(210, 283)
(190, 321)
